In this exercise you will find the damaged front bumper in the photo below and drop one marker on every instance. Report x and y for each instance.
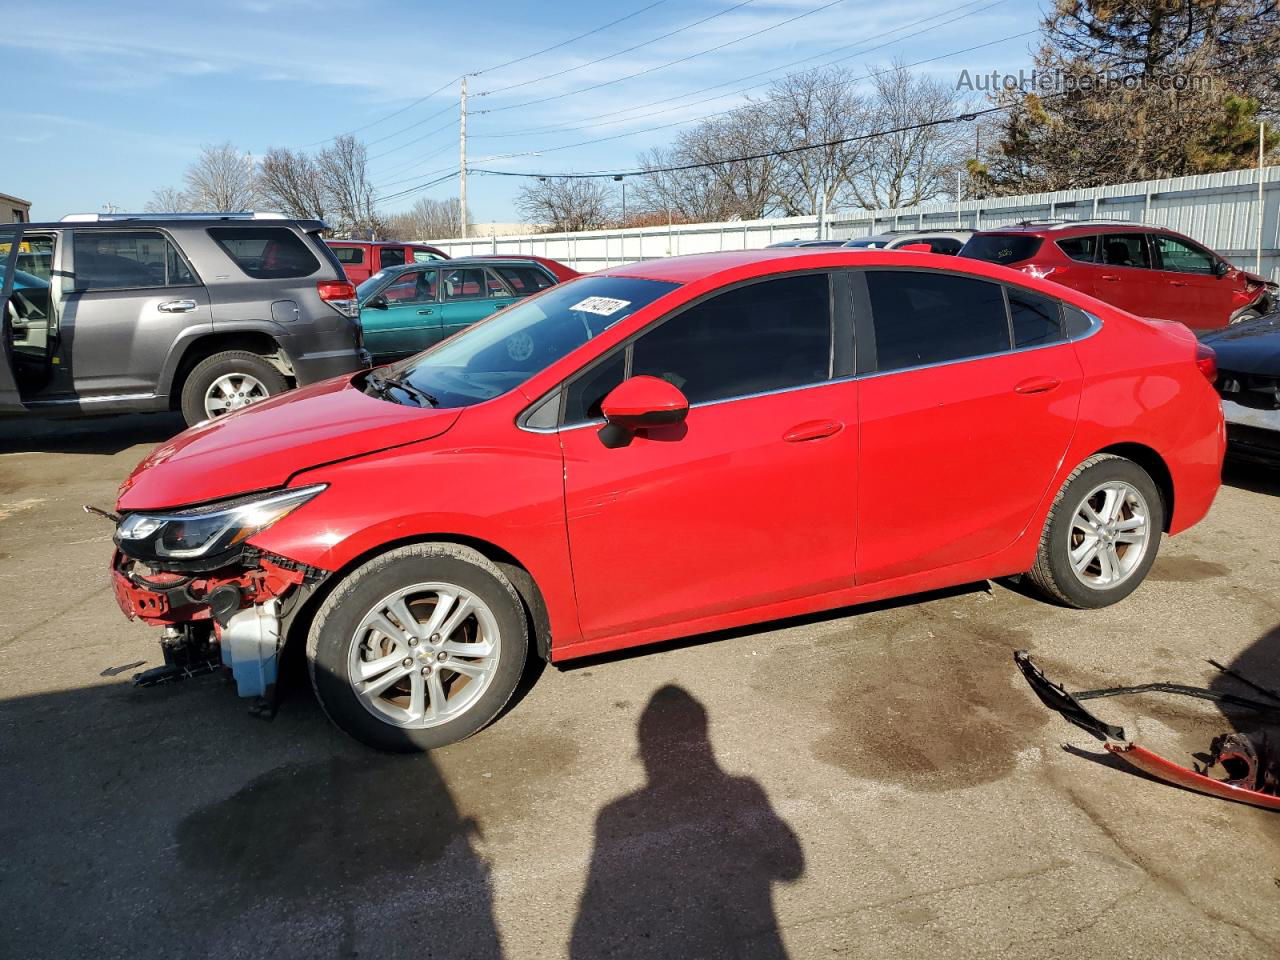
(1249, 766)
(236, 617)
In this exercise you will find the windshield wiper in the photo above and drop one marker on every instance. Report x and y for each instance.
(383, 383)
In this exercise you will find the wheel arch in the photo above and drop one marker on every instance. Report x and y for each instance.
(1149, 460)
(188, 353)
(513, 569)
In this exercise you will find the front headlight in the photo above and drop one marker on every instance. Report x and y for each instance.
(206, 531)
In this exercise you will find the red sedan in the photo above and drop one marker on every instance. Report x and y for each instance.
(663, 449)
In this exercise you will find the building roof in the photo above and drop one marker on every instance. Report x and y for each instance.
(8, 197)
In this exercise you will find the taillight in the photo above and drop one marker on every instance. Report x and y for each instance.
(339, 294)
(1207, 361)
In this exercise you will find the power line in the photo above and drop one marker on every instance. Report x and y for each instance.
(557, 128)
(676, 123)
(394, 113)
(663, 66)
(675, 168)
(422, 186)
(409, 143)
(592, 63)
(565, 43)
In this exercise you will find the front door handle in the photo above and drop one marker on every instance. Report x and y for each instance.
(1176, 283)
(425, 313)
(812, 430)
(176, 306)
(1110, 276)
(1037, 385)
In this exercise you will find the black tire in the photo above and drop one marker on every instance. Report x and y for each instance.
(334, 631)
(210, 369)
(1053, 573)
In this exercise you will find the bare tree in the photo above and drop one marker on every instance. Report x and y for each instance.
(168, 200)
(289, 180)
(344, 177)
(918, 163)
(221, 179)
(566, 203)
(428, 219)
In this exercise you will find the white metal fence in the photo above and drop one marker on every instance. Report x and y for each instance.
(1221, 210)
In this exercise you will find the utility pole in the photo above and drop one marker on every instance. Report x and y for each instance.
(1262, 211)
(619, 179)
(959, 192)
(462, 156)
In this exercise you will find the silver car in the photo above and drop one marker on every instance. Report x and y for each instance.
(205, 313)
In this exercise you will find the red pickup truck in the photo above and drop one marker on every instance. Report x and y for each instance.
(361, 259)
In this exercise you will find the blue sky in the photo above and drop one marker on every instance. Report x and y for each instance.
(111, 101)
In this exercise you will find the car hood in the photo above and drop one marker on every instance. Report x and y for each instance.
(1250, 346)
(262, 446)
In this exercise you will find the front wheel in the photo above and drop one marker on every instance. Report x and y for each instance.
(1102, 534)
(418, 648)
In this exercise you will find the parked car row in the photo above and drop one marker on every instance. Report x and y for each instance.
(929, 241)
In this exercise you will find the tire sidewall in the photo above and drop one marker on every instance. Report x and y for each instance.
(211, 368)
(333, 632)
(1064, 576)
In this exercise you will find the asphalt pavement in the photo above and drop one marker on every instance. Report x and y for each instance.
(876, 782)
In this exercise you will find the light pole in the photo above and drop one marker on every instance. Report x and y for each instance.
(618, 179)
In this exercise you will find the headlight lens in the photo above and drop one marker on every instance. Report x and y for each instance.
(207, 531)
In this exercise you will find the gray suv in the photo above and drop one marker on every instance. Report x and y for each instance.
(200, 312)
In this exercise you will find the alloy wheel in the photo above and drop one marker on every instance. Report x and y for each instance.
(423, 655)
(233, 391)
(1110, 535)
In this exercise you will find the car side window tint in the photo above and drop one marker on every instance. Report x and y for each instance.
(1124, 250)
(1084, 249)
(1076, 322)
(585, 394)
(466, 284)
(424, 256)
(525, 280)
(349, 254)
(266, 253)
(493, 286)
(392, 256)
(1037, 320)
(922, 318)
(116, 260)
(1180, 257)
(412, 286)
(752, 339)
(946, 245)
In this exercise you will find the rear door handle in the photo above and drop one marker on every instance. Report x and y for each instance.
(176, 306)
(812, 430)
(1037, 385)
(425, 313)
(1110, 276)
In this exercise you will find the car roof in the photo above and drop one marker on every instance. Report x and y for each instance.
(1076, 226)
(170, 223)
(379, 243)
(701, 266)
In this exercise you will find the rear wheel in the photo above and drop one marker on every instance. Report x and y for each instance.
(418, 648)
(1102, 534)
(226, 382)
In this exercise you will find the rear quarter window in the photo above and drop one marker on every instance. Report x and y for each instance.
(266, 253)
(1002, 248)
(1084, 249)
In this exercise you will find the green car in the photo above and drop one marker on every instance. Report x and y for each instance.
(406, 309)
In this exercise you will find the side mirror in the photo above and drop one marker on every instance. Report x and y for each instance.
(1221, 268)
(916, 247)
(639, 403)
(377, 303)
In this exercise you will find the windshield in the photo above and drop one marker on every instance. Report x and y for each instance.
(492, 357)
(366, 289)
(1002, 248)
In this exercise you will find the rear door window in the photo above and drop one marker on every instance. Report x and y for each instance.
(1002, 248)
(392, 256)
(349, 255)
(1084, 249)
(525, 280)
(468, 284)
(924, 318)
(1037, 320)
(1125, 250)
(117, 260)
(266, 253)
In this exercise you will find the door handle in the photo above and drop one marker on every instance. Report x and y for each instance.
(176, 306)
(1110, 276)
(812, 430)
(1176, 283)
(425, 313)
(1037, 385)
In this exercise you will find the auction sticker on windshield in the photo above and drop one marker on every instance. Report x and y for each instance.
(603, 306)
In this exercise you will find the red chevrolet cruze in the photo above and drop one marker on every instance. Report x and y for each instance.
(663, 449)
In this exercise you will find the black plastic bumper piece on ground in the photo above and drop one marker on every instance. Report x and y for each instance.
(1058, 699)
